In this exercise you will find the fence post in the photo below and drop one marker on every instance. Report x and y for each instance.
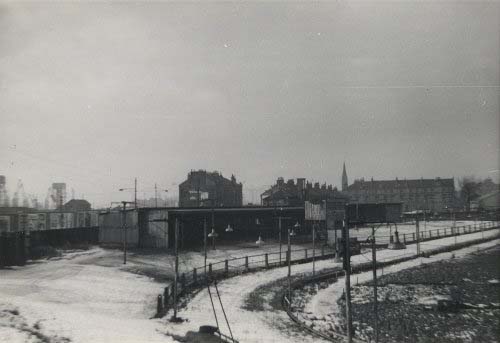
(305, 254)
(413, 235)
(210, 269)
(246, 262)
(165, 298)
(404, 238)
(430, 233)
(226, 267)
(159, 306)
(267, 260)
(195, 276)
(183, 281)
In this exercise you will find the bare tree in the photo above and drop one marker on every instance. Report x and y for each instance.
(469, 190)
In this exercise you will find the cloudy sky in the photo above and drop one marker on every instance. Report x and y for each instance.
(95, 94)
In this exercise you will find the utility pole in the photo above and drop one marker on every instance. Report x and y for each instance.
(314, 248)
(417, 228)
(279, 234)
(135, 193)
(156, 196)
(375, 299)
(124, 226)
(289, 270)
(455, 228)
(176, 249)
(347, 267)
(205, 244)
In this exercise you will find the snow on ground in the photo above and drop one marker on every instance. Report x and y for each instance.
(383, 232)
(162, 262)
(71, 300)
(89, 296)
(325, 301)
(248, 326)
(195, 259)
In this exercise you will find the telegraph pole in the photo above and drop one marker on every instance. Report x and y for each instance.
(314, 248)
(279, 234)
(124, 224)
(289, 272)
(135, 193)
(205, 244)
(375, 299)
(417, 228)
(156, 196)
(347, 267)
(176, 249)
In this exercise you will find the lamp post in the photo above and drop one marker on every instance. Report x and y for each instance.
(135, 191)
(259, 242)
(213, 235)
(156, 195)
(291, 233)
(124, 227)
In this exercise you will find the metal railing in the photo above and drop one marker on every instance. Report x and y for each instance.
(196, 278)
(300, 319)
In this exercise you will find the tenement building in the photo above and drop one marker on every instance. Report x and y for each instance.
(207, 189)
(422, 194)
(293, 193)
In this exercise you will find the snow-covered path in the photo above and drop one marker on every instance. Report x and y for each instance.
(250, 326)
(325, 301)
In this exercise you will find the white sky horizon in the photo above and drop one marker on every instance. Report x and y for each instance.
(95, 94)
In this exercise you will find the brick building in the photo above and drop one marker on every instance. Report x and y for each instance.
(293, 193)
(207, 189)
(421, 194)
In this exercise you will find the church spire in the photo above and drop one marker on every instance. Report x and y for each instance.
(344, 180)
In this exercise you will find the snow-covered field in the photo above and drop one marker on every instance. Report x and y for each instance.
(89, 296)
(72, 299)
(324, 303)
(250, 326)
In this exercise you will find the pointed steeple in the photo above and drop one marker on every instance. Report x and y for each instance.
(344, 180)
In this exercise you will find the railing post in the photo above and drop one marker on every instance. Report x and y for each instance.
(246, 262)
(430, 233)
(266, 260)
(305, 251)
(413, 236)
(159, 305)
(183, 281)
(165, 298)
(195, 276)
(210, 269)
(226, 267)
(404, 238)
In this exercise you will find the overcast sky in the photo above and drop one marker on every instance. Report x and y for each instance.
(94, 94)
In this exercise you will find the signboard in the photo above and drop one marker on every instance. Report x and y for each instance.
(314, 211)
